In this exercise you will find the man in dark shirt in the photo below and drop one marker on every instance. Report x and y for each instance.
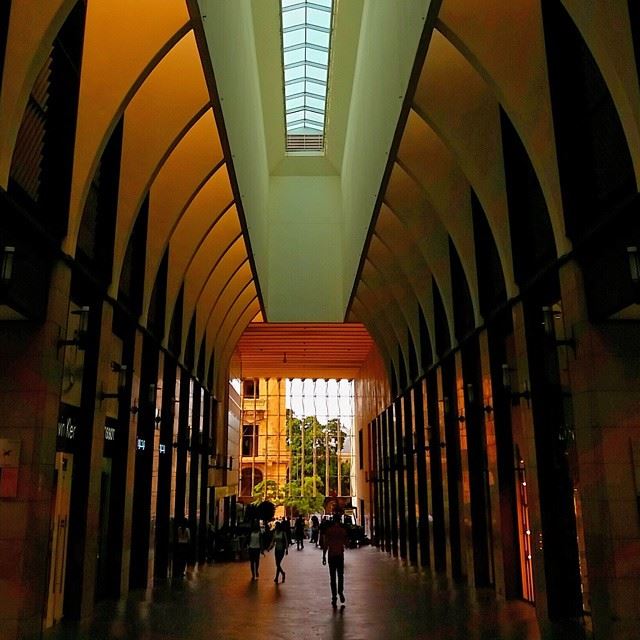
(333, 543)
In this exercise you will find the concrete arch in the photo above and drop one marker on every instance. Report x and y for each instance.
(604, 26)
(477, 156)
(236, 295)
(221, 361)
(219, 253)
(233, 263)
(116, 63)
(504, 42)
(384, 306)
(409, 261)
(212, 202)
(155, 120)
(409, 202)
(360, 313)
(33, 26)
(368, 302)
(173, 189)
(398, 287)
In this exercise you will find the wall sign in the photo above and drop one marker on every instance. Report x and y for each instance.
(66, 429)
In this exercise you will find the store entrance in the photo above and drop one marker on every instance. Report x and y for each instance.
(58, 536)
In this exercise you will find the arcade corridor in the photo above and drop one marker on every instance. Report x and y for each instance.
(386, 600)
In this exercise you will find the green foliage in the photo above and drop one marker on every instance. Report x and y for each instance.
(302, 498)
(268, 490)
(315, 450)
(311, 444)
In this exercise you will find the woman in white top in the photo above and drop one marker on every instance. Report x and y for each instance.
(281, 543)
(255, 549)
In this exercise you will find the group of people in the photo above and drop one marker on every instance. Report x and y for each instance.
(330, 535)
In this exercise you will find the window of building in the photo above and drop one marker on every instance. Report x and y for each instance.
(249, 478)
(306, 39)
(250, 389)
(250, 440)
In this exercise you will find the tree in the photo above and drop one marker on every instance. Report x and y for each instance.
(317, 469)
(268, 490)
(315, 449)
(306, 498)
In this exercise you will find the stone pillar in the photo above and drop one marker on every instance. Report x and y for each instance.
(30, 384)
(466, 537)
(524, 439)
(495, 529)
(605, 388)
(444, 471)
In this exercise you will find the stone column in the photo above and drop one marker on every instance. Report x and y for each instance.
(30, 384)
(604, 376)
(524, 439)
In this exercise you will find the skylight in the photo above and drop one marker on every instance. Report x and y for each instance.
(306, 39)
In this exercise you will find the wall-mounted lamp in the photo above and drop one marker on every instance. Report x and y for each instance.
(471, 394)
(157, 418)
(80, 334)
(121, 370)
(220, 462)
(506, 376)
(488, 409)
(549, 315)
(6, 268)
(514, 395)
(134, 408)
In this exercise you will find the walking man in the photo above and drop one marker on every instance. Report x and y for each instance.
(333, 543)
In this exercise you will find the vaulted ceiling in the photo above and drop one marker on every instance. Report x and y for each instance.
(372, 231)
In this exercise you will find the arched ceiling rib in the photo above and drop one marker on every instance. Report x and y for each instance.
(195, 159)
(156, 119)
(27, 47)
(505, 43)
(451, 143)
(396, 284)
(158, 81)
(115, 62)
(400, 241)
(212, 201)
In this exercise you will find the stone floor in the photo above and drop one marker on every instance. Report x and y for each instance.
(385, 600)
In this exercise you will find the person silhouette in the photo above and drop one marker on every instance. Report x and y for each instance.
(334, 541)
(255, 549)
(299, 533)
(281, 545)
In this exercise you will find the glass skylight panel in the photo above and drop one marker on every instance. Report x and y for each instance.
(306, 38)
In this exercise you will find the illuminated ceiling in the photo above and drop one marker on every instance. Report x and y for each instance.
(304, 351)
(308, 215)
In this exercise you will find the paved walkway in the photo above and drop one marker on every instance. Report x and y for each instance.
(385, 600)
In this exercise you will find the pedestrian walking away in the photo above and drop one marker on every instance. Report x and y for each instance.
(281, 545)
(299, 532)
(315, 530)
(334, 541)
(256, 547)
